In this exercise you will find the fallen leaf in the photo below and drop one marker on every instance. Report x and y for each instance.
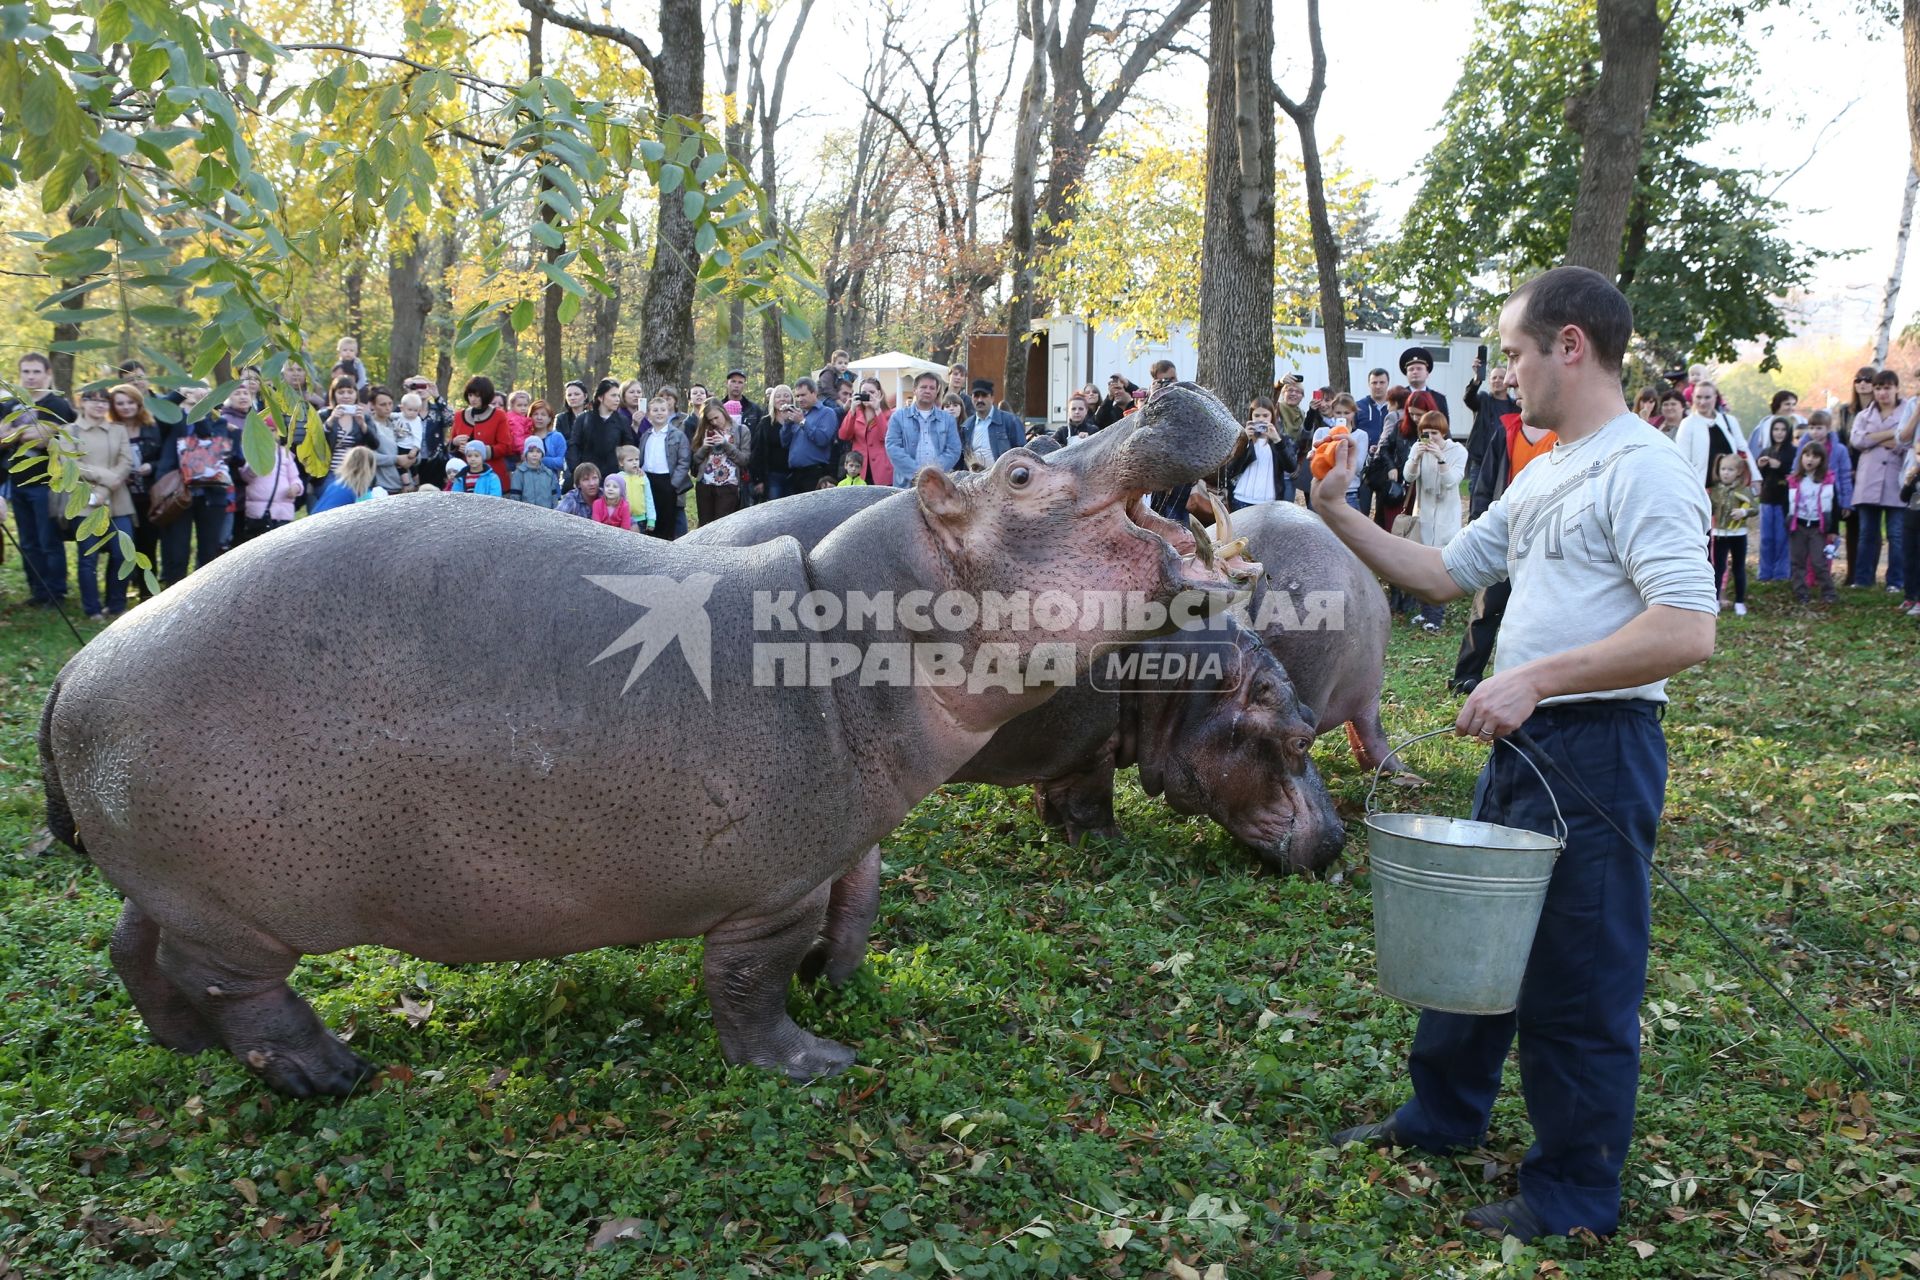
(1180, 1270)
(617, 1229)
(1116, 1237)
(248, 1189)
(1642, 1248)
(416, 1012)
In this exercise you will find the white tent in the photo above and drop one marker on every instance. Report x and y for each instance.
(896, 371)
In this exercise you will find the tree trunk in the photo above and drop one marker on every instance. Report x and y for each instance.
(1326, 249)
(61, 362)
(1883, 338)
(442, 324)
(738, 125)
(606, 318)
(1910, 31)
(412, 299)
(355, 286)
(509, 376)
(553, 357)
(1236, 251)
(1610, 116)
(1027, 138)
(666, 314)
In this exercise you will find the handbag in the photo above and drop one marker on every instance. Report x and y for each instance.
(1407, 524)
(168, 498)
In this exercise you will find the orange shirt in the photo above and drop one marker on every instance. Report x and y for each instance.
(1525, 451)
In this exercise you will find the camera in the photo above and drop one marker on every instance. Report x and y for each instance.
(863, 397)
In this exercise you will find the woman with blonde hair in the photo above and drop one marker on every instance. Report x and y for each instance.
(767, 457)
(354, 483)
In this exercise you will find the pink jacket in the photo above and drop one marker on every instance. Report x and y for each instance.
(272, 495)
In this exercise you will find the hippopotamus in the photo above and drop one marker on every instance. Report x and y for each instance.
(658, 771)
(1232, 743)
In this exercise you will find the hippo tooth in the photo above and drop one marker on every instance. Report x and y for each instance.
(1203, 544)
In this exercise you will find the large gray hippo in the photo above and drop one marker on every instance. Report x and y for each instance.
(455, 801)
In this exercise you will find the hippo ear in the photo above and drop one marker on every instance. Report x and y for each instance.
(941, 498)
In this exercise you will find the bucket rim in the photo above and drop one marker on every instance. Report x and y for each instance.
(1555, 844)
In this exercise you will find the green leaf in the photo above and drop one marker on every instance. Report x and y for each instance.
(795, 327)
(257, 444)
(670, 178)
(149, 65)
(652, 151)
(693, 203)
(163, 409)
(569, 308)
(547, 234)
(710, 166)
(705, 238)
(167, 317)
(522, 319)
(116, 143)
(76, 239)
(75, 315)
(485, 346)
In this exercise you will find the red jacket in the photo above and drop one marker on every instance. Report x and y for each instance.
(869, 436)
(497, 433)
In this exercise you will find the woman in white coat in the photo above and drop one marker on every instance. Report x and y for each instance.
(1435, 468)
(1709, 432)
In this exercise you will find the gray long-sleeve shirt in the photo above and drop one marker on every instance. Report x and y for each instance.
(1591, 536)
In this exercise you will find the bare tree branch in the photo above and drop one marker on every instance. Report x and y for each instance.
(641, 50)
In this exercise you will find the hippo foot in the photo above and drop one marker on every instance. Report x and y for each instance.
(325, 1067)
(798, 1054)
(170, 1017)
(841, 948)
(1078, 836)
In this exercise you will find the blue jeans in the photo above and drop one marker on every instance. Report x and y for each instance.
(210, 516)
(1579, 1015)
(1861, 573)
(1773, 542)
(109, 545)
(45, 556)
(1358, 501)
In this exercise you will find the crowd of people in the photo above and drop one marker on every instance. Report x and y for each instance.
(1814, 485)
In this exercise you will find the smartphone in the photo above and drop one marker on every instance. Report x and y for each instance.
(1482, 349)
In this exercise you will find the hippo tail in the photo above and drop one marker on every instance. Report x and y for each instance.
(59, 816)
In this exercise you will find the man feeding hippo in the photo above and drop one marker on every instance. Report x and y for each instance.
(1604, 541)
(222, 899)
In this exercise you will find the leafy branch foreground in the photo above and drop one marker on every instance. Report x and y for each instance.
(1113, 1061)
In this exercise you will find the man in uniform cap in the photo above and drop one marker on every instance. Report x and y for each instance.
(1416, 363)
(990, 432)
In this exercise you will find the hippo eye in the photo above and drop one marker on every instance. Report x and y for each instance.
(1020, 476)
(1300, 744)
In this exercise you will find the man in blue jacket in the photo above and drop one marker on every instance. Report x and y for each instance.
(922, 434)
(808, 430)
(990, 432)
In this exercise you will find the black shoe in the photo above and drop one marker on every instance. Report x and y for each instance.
(1507, 1218)
(1379, 1134)
(1463, 686)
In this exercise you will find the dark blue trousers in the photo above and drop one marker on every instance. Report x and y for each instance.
(1578, 1021)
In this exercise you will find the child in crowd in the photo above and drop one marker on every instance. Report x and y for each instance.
(410, 434)
(611, 507)
(719, 460)
(855, 468)
(267, 502)
(1734, 505)
(531, 481)
(636, 484)
(1775, 460)
(1810, 522)
(578, 501)
(475, 476)
(827, 482)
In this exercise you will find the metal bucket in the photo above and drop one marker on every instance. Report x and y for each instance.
(1456, 902)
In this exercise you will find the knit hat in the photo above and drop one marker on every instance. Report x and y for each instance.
(533, 445)
(481, 445)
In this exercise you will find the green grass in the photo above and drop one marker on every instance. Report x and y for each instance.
(1104, 1062)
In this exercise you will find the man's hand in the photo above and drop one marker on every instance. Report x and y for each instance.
(1498, 705)
(1331, 489)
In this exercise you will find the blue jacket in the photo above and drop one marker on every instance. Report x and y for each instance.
(810, 441)
(903, 441)
(1004, 431)
(1370, 417)
(554, 453)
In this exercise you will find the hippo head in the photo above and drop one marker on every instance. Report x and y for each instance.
(1074, 521)
(1237, 749)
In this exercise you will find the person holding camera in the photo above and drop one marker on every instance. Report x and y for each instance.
(808, 428)
(865, 431)
(1488, 408)
(1435, 466)
(1260, 468)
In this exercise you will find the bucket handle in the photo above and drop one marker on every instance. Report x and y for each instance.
(1382, 766)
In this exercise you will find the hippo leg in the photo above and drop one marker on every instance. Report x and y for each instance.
(169, 1015)
(240, 986)
(748, 967)
(1368, 738)
(842, 945)
(1078, 805)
